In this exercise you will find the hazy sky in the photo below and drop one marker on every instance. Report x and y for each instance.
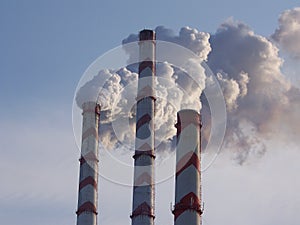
(46, 47)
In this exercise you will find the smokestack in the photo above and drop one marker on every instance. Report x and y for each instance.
(187, 209)
(88, 178)
(143, 190)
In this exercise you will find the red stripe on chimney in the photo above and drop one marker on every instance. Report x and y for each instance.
(87, 207)
(144, 64)
(187, 160)
(88, 181)
(143, 209)
(188, 202)
(143, 120)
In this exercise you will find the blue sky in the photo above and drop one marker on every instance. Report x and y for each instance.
(46, 45)
(45, 48)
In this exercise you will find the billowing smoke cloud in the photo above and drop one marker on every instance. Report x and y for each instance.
(174, 87)
(261, 103)
(288, 33)
(287, 37)
(257, 94)
(233, 89)
(195, 40)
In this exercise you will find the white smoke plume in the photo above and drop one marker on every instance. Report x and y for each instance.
(195, 40)
(233, 89)
(287, 37)
(261, 103)
(257, 93)
(288, 33)
(175, 90)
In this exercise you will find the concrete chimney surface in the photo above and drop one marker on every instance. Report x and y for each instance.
(88, 178)
(187, 209)
(143, 190)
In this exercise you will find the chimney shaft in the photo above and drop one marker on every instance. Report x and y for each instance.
(143, 190)
(187, 209)
(88, 178)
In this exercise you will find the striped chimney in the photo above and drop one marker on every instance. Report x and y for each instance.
(88, 178)
(187, 209)
(143, 190)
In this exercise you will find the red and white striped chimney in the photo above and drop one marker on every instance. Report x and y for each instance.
(187, 209)
(88, 178)
(143, 190)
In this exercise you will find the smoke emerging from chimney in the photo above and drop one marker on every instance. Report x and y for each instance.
(175, 90)
(261, 103)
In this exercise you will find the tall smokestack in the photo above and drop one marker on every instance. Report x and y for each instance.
(88, 178)
(187, 209)
(143, 190)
